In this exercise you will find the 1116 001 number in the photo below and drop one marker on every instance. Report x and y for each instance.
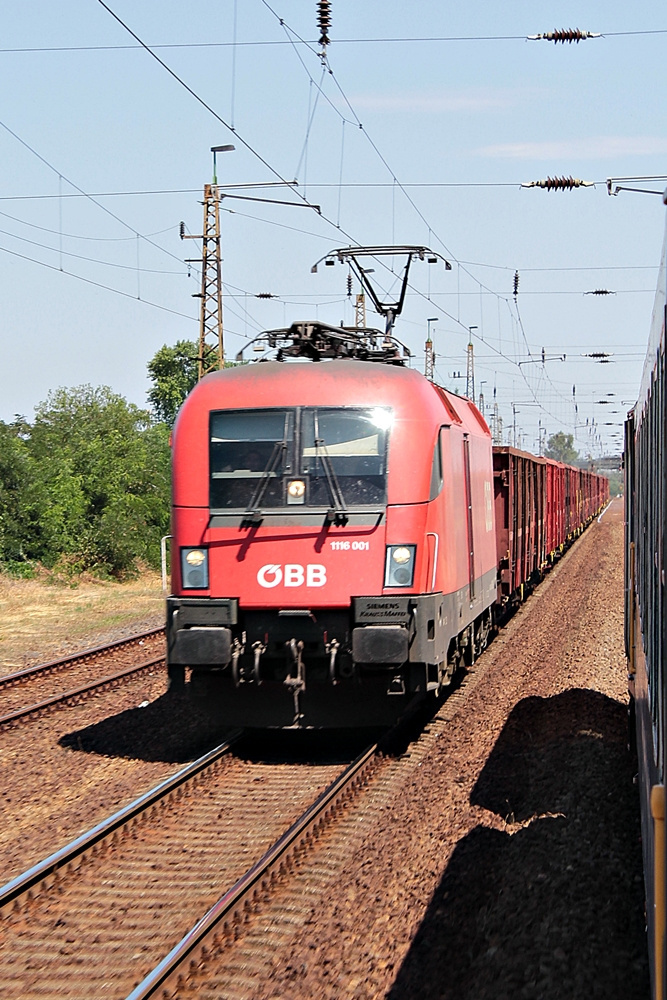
(344, 544)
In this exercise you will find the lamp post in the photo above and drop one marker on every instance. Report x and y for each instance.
(219, 149)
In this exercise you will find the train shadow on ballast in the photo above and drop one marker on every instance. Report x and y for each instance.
(538, 912)
(175, 729)
(169, 729)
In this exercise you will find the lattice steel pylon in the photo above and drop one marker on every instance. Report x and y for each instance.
(429, 359)
(211, 346)
(360, 311)
(470, 372)
(496, 426)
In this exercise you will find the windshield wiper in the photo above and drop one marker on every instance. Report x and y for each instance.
(338, 513)
(253, 508)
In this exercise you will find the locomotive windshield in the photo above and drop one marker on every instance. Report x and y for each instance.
(336, 456)
(343, 447)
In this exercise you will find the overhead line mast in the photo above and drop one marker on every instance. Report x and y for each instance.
(211, 354)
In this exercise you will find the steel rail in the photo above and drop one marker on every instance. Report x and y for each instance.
(28, 880)
(167, 975)
(19, 676)
(39, 706)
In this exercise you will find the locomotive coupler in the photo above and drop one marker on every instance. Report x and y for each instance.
(298, 683)
(258, 648)
(238, 649)
(332, 649)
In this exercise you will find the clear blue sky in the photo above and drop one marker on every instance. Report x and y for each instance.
(460, 118)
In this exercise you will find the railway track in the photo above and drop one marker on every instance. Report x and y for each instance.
(127, 908)
(354, 914)
(34, 690)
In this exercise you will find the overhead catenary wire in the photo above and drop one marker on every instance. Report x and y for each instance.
(97, 284)
(79, 236)
(504, 326)
(258, 42)
(247, 145)
(396, 182)
(480, 284)
(357, 185)
(91, 198)
(90, 260)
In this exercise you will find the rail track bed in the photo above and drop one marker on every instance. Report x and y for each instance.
(100, 927)
(497, 854)
(108, 915)
(35, 690)
(70, 768)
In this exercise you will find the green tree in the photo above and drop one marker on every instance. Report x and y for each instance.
(15, 479)
(173, 372)
(560, 447)
(99, 492)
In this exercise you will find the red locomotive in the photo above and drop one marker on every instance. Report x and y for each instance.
(334, 552)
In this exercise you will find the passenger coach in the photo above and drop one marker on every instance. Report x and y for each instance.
(645, 619)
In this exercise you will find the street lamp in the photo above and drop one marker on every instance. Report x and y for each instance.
(219, 149)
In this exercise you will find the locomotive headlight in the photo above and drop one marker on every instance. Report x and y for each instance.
(296, 491)
(399, 569)
(195, 557)
(194, 568)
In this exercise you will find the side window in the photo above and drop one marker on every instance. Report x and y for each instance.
(436, 469)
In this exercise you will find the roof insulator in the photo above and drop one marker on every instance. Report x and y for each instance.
(559, 183)
(563, 35)
(324, 20)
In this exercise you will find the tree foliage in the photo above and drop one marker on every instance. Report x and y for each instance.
(561, 448)
(87, 484)
(15, 475)
(173, 372)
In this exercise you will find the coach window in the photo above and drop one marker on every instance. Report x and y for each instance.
(246, 446)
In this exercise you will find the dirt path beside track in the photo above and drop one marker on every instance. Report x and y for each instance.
(42, 620)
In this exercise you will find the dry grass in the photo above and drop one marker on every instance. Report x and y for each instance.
(39, 620)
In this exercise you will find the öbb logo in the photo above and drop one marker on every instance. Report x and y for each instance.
(292, 575)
